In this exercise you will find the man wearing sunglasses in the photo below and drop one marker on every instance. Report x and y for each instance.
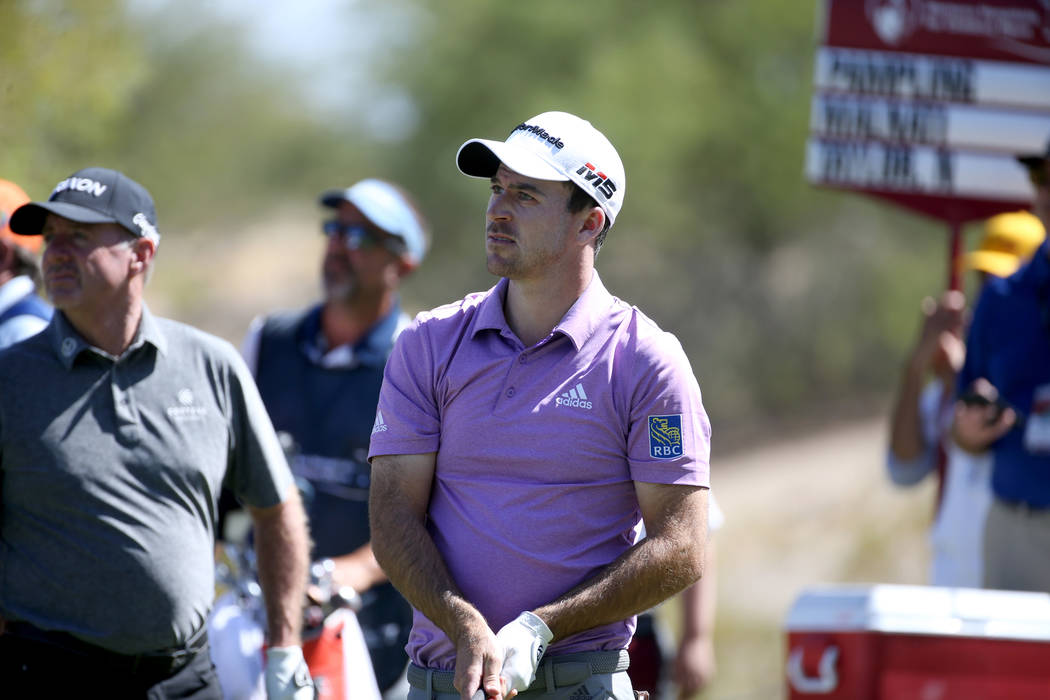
(1005, 407)
(319, 371)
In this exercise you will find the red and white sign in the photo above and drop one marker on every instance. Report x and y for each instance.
(926, 103)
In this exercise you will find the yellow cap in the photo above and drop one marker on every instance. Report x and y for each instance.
(1009, 239)
(11, 197)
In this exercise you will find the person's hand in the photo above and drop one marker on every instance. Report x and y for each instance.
(694, 667)
(287, 677)
(980, 419)
(940, 343)
(479, 658)
(524, 640)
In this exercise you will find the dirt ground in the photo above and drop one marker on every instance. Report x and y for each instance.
(804, 511)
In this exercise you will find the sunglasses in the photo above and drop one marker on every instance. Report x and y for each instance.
(358, 237)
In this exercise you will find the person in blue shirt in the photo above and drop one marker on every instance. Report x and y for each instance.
(22, 312)
(1005, 406)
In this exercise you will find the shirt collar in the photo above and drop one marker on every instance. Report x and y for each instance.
(583, 317)
(490, 310)
(579, 321)
(68, 343)
(372, 349)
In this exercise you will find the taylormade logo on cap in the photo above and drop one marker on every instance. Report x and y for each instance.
(542, 133)
(554, 146)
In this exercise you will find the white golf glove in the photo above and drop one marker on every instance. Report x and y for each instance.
(524, 640)
(287, 677)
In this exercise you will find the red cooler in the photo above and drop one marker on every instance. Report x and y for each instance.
(891, 642)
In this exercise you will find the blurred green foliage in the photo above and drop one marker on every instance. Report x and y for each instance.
(67, 78)
(790, 301)
(173, 97)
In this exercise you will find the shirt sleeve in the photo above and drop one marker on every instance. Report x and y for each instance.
(669, 433)
(715, 517)
(258, 471)
(408, 418)
(20, 328)
(908, 472)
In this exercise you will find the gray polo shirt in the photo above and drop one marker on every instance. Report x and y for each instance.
(110, 469)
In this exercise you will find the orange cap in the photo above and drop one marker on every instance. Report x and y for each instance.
(11, 197)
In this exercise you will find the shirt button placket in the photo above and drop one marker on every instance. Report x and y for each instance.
(124, 410)
(522, 359)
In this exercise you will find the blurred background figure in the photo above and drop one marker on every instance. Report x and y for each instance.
(22, 312)
(920, 443)
(319, 371)
(1005, 408)
(657, 667)
(1009, 240)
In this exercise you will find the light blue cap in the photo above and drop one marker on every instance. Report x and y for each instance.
(386, 207)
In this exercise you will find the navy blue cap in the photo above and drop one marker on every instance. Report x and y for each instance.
(93, 196)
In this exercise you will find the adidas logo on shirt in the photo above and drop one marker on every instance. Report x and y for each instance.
(380, 425)
(576, 398)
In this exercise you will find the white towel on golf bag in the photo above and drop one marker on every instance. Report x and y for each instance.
(236, 640)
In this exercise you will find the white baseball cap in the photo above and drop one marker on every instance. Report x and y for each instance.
(554, 146)
(386, 206)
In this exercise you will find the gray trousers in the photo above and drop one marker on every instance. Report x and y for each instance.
(1016, 547)
(599, 675)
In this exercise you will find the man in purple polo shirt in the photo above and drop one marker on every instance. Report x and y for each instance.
(522, 436)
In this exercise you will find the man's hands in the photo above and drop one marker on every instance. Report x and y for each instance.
(479, 658)
(503, 664)
(941, 347)
(694, 667)
(980, 418)
(287, 677)
(524, 640)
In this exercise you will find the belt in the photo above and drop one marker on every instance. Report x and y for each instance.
(553, 672)
(1023, 507)
(156, 664)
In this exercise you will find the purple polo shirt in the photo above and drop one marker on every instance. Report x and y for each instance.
(538, 448)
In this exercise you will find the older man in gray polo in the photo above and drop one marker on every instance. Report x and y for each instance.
(117, 430)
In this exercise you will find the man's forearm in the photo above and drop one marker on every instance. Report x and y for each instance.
(282, 545)
(650, 572)
(906, 438)
(359, 569)
(670, 558)
(698, 600)
(406, 552)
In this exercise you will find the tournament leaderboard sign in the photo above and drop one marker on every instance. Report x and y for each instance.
(925, 103)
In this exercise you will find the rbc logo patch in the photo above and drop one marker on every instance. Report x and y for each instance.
(665, 436)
